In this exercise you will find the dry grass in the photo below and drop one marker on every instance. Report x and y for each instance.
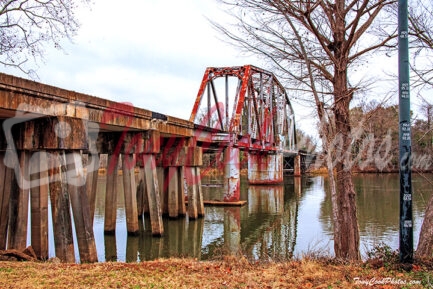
(188, 273)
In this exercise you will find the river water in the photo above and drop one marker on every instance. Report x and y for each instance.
(277, 223)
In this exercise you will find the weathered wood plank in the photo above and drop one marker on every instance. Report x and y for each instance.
(181, 191)
(7, 179)
(200, 202)
(130, 193)
(18, 216)
(142, 201)
(111, 194)
(80, 208)
(92, 183)
(39, 204)
(153, 195)
(190, 179)
(173, 189)
(62, 224)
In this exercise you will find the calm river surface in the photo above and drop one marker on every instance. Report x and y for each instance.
(276, 223)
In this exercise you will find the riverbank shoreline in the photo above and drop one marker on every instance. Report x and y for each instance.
(230, 272)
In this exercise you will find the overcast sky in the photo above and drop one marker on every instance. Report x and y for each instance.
(147, 52)
(150, 53)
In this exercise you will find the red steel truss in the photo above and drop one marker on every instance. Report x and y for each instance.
(256, 114)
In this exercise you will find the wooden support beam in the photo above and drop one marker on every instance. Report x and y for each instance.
(200, 201)
(190, 179)
(181, 191)
(56, 133)
(80, 208)
(7, 180)
(181, 156)
(153, 195)
(130, 192)
(173, 190)
(111, 194)
(18, 215)
(92, 183)
(163, 189)
(62, 226)
(39, 193)
(142, 201)
(297, 166)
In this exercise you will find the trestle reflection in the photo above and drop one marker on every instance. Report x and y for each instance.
(277, 222)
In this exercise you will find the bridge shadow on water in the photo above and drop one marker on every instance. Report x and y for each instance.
(263, 229)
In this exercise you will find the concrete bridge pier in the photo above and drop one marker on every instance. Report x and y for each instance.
(232, 180)
(265, 168)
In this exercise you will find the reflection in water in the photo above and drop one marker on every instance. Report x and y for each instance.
(277, 222)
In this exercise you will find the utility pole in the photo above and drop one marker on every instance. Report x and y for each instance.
(405, 147)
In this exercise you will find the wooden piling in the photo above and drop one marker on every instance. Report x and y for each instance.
(173, 189)
(200, 201)
(297, 166)
(163, 190)
(130, 193)
(92, 183)
(142, 201)
(140, 196)
(80, 208)
(181, 191)
(111, 194)
(7, 179)
(18, 216)
(153, 195)
(190, 174)
(62, 226)
(39, 192)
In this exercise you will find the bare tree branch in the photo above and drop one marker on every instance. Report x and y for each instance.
(27, 26)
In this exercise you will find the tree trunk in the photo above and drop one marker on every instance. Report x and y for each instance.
(346, 239)
(425, 243)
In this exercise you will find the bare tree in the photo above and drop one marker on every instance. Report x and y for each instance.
(313, 46)
(26, 26)
(421, 32)
(425, 242)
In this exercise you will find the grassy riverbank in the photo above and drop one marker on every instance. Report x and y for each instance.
(227, 273)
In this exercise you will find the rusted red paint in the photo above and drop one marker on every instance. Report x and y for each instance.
(200, 94)
(260, 97)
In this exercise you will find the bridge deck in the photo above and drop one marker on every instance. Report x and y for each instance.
(18, 94)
